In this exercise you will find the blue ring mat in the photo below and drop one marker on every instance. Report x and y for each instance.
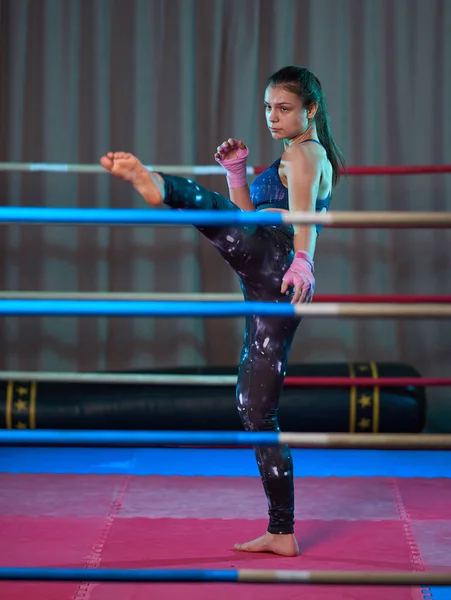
(216, 462)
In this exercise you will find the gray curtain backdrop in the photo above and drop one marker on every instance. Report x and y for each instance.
(170, 79)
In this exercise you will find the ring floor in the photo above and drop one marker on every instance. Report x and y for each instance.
(184, 508)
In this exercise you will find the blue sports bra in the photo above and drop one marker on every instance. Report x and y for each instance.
(267, 190)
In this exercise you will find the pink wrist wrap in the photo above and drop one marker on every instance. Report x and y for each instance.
(300, 274)
(236, 168)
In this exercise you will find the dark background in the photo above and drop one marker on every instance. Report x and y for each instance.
(170, 79)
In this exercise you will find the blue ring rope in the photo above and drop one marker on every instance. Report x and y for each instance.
(138, 308)
(117, 575)
(55, 437)
(126, 216)
(224, 575)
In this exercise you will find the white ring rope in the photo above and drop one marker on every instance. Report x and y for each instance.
(89, 168)
(369, 218)
(119, 378)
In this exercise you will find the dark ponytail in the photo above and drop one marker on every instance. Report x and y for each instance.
(307, 86)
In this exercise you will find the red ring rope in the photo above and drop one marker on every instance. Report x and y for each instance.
(388, 298)
(399, 170)
(294, 381)
(386, 170)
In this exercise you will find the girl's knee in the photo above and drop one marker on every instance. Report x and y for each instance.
(256, 416)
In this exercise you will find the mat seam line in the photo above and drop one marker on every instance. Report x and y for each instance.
(415, 555)
(93, 561)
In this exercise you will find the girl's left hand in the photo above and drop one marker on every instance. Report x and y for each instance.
(300, 276)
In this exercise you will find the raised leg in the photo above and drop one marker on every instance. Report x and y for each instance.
(260, 255)
(180, 193)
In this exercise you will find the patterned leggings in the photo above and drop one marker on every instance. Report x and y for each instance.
(260, 255)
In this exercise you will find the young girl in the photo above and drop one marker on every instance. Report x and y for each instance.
(273, 263)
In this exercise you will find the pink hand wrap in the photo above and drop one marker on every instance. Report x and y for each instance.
(300, 273)
(236, 168)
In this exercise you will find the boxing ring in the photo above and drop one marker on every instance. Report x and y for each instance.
(154, 514)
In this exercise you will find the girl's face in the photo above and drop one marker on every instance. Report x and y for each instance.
(286, 116)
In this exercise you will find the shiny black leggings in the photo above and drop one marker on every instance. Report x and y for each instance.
(260, 255)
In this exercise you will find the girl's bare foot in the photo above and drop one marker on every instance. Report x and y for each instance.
(283, 544)
(127, 167)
